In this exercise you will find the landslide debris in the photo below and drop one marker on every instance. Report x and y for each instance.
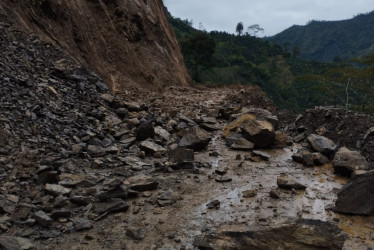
(129, 43)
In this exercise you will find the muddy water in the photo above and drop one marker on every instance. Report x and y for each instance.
(313, 203)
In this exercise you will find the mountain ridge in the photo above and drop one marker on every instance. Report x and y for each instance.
(329, 40)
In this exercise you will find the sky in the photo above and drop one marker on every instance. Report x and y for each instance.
(273, 16)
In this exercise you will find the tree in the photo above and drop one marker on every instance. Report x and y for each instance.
(254, 29)
(198, 53)
(239, 28)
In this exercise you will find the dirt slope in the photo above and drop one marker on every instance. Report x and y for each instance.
(127, 42)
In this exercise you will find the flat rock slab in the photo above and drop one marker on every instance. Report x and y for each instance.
(300, 234)
(321, 144)
(141, 183)
(152, 147)
(15, 243)
(290, 182)
(346, 162)
(242, 144)
(357, 196)
(112, 206)
(56, 190)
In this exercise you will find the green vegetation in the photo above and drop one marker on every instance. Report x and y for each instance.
(329, 40)
(292, 83)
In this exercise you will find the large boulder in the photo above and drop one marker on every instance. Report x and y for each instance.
(322, 144)
(260, 133)
(299, 234)
(346, 162)
(195, 138)
(357, 196)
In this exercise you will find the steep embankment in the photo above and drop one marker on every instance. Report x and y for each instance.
(127, 42)
(325, 40)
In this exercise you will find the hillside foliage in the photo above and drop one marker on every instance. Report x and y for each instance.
(329, 40)
(216, 58)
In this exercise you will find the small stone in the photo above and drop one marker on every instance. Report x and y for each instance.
(82, 224)
(289, 182)
(43, 219)
(213, 204)
(56, 190)
(261, 154)
(135, 234)
(15, 243)
(249, 193)
(274, 194)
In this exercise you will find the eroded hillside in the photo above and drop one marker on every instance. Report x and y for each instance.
(127, 42)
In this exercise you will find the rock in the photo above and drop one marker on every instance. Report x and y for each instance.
(141, 183)
(151, 148)
(223, 179)
(346, 162)
(48, 177)
(357, 196)
(274, 194)
(304, 156)
(15, 243)
(119, 191)
(299, 234)
(299, 138)
(249, 193)
(145, 131)
(82, 224)
(166, 199)
(319, 159)
(289, 182)
(6, 206)
(180, 155)
(261, 154)
(94, 150)
(135, 234)
(195, 138)
(322, 144)
(213, 204)
(107, 97)
(164, 134)
(56, 190)
(112, 206)
(185, 119)
(113, 120)
(241, 144)
(260, 133)
(282, 140)
(43, 219)
(62, 213)
(221, 170)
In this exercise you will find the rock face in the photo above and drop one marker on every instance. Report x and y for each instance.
(128, 42)
(357, 196)
(302, 234)
(346, 162)
(322, 144)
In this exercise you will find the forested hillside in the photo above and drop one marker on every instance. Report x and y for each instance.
(330, 40)
(216, 58)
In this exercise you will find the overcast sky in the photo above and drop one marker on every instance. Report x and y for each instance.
(273, 16)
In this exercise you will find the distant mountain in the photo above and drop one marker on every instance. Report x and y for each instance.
(329, 40)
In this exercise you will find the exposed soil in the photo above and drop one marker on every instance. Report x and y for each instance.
(128, 43)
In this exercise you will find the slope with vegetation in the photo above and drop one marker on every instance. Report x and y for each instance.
(329, 40)
(216, 58)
